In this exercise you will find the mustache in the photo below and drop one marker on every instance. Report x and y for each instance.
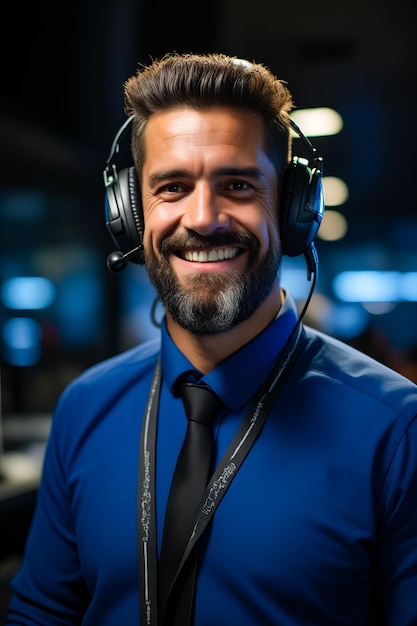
(201, 242)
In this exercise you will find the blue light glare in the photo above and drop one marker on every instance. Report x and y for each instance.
(295, 280)
(294, 277)
(27, 293)
(22, 338)
(376, 286)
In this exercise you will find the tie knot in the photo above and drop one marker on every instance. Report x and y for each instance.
(200, 402)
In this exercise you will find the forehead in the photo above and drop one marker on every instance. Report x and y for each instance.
(180, 131)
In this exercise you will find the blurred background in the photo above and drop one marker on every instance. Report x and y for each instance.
(61, 103)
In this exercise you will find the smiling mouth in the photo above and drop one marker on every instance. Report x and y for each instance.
(210, 256)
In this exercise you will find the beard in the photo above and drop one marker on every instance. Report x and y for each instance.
(213, 303)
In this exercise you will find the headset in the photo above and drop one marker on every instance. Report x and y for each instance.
(300, 213)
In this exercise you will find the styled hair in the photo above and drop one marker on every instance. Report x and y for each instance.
(204, 81)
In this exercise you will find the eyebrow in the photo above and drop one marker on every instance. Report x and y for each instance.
(249, 172)
(160, 177)
(245, 172)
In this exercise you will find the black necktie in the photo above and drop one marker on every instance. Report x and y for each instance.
(188, 486)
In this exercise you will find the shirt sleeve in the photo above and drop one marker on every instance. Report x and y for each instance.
(49, 588)
(396, 559)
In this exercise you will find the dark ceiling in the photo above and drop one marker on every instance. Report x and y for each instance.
(64, 67)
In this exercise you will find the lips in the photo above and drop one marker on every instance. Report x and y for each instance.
(210, 256)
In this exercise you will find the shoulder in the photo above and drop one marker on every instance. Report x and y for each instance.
(352, 374)
(133, 359)
(115, 374)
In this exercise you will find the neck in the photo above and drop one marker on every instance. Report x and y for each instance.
(206, 351)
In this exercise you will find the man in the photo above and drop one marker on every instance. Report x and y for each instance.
(310, 514)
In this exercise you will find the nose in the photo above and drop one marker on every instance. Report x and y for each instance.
(204, 211)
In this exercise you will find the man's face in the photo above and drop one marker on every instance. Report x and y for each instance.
(210, 197)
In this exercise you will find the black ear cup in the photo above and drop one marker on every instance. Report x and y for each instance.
(124, 214)
(302, 206)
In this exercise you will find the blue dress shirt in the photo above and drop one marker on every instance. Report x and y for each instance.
(318, 527)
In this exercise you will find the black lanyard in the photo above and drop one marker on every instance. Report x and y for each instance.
(218, 485)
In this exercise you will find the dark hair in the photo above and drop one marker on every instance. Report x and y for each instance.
(204, 81)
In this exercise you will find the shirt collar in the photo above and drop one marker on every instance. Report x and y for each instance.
(237, 378)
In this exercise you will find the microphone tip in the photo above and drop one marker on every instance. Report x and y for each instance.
(116, 262)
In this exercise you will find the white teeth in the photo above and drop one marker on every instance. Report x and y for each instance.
(214, 255)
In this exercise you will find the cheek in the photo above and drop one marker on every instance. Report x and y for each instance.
(267, 228)
(151, 236)
(152, 240)
(158, 224)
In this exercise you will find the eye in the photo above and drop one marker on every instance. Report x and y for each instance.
(239, 190)
(171, 192)
(173, 188)
(239, 185)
